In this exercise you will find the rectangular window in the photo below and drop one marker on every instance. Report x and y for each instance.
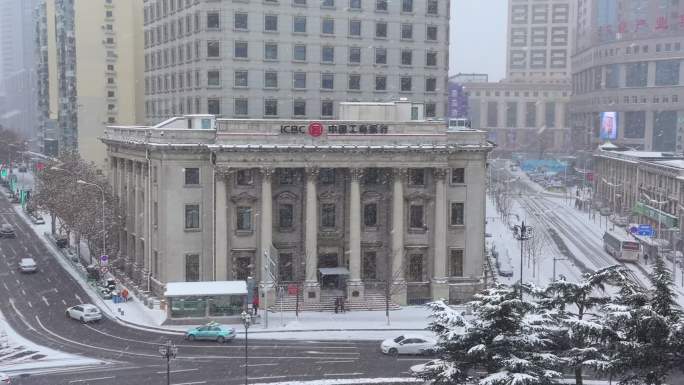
(241, 49)
(286, 176)
(192, 217)
(354, 4)
(492, 114)
(271, 107)
(458, 175)
(299, 52)
(242, 268)
(369, 265)
(244, 177)
(456, 263)
(192, 176)
(285, 215)
(244, 218)
(327, 176)
(406, 57)
(241, 107)
(415, 270)
(381, 30)
(370, 214)
(328, 26)
(328, 3)
(285, 267)
(192, 268)
(430, 85)
(328, 215)
(354, 82)
(327, 81)
(241, 79)
(214, 106)
(380, 56)
(355, 28)
(431, 33)
(416, 217)
(213, 48)
(270, 79)
(271, 23)
(270, 51)
(407, 5)
(213, 20)
(530, 114)
(635, 124)
(433, 7)
(430, 110)
(406, 85)
(299, 108)
(457, 214)
(380, 83)
(299, 80)
(550, 114)
(326, 108)
(381, 5)
(327, 54)
(664, 130)
(431, 59)
(299, 24)
(213, 78)
(667, 73)
(407, 31)
(354, 55)
(240, 21)
(636, 74)
(511, 114)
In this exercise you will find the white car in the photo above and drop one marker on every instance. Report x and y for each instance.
(408, 344)
(28, 265)
(5, 379)
(84, 313)
(420, 369)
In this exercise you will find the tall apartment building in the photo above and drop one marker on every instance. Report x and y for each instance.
(540, 40)
(97, 58)
(627, 59)
(17, 66)
(293, 58)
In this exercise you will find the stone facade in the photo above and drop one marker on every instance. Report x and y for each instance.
(399, 202)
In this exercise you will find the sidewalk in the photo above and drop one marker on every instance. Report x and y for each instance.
(357, 325)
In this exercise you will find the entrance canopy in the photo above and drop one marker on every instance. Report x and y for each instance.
(333, 271)
(207, 288)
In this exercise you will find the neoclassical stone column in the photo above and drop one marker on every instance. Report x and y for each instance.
(266, 234)
(221, 225)
(397, 231)
(312, 288)
(121, 192)
(355, 287)
(137, 225)
(130, 218)
(438, 283)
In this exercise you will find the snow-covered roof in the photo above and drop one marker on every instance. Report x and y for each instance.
(189, 289)
(678, 163)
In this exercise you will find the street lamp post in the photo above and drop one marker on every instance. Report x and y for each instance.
(522, 233)
(660, 215)
(104, 231)
(246, 320)
(555, 259)
(168, 351)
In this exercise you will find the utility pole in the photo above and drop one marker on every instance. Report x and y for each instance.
(522, 233)
(554, 266)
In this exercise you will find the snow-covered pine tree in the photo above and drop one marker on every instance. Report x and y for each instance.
(502, 337)
(662, 294)
(580, 334)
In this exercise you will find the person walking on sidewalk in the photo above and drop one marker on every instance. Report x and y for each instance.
(124, 294)
(255, 304)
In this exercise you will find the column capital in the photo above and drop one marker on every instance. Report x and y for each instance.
(312, 172)
(222, 172)
(356, 173)
(399, 173)
(267, 172)
(440, 173)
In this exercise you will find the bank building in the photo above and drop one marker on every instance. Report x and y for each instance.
(379, 199)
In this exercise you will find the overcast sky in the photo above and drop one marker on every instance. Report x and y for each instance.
(478, 37)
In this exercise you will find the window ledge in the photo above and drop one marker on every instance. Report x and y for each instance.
(462, 184)
(457, 227)
(244, 233)
(192, 186)
(193, 230)
(417, 230)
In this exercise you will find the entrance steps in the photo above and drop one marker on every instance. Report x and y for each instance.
(372, 301)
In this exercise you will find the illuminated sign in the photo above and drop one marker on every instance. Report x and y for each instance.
(316, 129)
(609, 125)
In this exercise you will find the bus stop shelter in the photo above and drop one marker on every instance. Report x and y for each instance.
(205, 300)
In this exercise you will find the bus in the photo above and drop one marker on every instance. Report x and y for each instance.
(621, 245)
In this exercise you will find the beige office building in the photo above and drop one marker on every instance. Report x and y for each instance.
(374, 200)
(94, 65)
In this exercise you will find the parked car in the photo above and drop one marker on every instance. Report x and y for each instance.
(408, 344)
(37, 219)
(28, 265)
(84, 313)
(211, 331)
(7, 231)
(5, 379)
(420, 369)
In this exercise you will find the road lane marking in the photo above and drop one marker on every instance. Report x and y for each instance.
(78, 298)
(64, 302)
(48, 279)
(5, 285)
(191, 383)
(92, 379)
(342, 374)
(23, 292)
(30, 305)
(250, 365)
(333, 362)
(178, 371)
(46, 301)
(411, 359)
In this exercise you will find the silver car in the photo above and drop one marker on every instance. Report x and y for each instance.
(28, 265)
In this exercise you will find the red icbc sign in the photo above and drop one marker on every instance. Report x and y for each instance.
(315, 129)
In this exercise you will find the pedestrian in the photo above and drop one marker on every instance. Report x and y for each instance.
(342, 305)
(255, 304)
(646, 259)
(124, 294)
(337, 304)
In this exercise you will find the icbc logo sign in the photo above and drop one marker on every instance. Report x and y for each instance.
(315, 129)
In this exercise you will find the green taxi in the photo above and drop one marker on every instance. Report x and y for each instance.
(211, 331)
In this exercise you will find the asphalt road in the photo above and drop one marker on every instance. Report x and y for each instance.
(34, 305)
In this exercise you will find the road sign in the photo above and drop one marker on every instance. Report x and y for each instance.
(104, 260)
(643, 230)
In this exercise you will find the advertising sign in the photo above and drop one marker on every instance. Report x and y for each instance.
(458, 101)
(643, 230)
(609, 124)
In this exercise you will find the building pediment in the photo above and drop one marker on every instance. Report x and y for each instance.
(287, 196)
(244, 197)
(371, 196)
(418, 196)
(329, 196)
